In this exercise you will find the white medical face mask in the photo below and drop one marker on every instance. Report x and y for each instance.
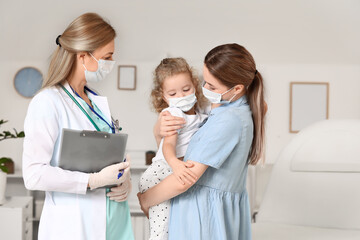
(104, 68)
(183, 103)
(214, 97)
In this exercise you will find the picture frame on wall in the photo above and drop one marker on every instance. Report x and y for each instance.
(309, 103)
(127, 77)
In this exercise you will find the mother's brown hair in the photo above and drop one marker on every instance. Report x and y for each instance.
(232, 64)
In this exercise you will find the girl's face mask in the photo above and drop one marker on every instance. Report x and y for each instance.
(183, 103)
(104, 68)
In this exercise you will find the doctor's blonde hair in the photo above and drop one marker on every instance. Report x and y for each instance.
(169, 67)
(85, 34)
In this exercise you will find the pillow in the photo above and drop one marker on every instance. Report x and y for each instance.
(335, 150)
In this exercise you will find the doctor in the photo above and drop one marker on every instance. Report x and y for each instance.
(72, 210)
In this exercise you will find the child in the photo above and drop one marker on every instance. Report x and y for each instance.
(178, 91)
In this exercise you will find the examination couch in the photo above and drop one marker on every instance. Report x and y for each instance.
(314, 187)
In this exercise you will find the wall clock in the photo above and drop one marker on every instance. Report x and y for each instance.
(28, 81)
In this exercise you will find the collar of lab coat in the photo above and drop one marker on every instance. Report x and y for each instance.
(100, 101)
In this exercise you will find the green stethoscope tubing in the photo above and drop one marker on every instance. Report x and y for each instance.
(81, 108)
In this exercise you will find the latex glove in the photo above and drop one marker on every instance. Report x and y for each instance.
(108, 175)
(120, 193)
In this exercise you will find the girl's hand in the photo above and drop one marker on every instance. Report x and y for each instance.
(143, 206)
(182, 172)
(168, 124)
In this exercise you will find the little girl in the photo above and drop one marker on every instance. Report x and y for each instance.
(176, 90)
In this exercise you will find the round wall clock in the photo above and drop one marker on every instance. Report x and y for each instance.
(28, 81)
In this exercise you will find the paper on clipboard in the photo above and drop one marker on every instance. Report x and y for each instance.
(90, 151)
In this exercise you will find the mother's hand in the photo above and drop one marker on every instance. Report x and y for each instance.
(143, 206)
(167, 125)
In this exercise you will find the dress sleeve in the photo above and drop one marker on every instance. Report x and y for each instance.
(216, 142)
(41, 136)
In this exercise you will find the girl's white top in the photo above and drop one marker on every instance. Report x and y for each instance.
(193, 123)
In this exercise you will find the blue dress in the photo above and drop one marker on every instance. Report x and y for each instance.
(118, 219)
(217, 206)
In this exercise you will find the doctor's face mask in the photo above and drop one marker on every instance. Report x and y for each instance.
(104, 68)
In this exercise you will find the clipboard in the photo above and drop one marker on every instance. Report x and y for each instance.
(90, 151)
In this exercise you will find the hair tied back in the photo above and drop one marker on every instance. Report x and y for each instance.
(57, 40)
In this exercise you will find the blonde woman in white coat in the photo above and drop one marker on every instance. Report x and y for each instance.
(75, 206)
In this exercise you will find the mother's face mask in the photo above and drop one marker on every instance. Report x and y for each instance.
(104, 68)
(214, 97)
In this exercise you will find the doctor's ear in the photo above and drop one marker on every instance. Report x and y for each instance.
(80, 57)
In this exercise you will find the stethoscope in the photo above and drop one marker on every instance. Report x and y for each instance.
(114, 123)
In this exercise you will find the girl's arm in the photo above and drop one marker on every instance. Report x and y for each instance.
(168, 188)
(180, 168)
(166, 125)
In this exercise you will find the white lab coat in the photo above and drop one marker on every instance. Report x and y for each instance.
(70, 210)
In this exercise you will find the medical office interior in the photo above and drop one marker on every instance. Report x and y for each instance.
(307, 187)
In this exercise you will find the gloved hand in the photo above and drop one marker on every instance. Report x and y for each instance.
(109, 175)
(121, 192)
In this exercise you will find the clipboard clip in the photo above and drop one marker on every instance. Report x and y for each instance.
(95, 134)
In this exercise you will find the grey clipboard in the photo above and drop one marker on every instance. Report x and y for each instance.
(90, 151)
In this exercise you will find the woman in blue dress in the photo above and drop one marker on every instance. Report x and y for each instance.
(216, 206)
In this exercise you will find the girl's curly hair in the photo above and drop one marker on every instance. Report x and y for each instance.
(170, 67)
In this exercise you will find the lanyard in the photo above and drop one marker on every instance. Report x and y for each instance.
(87, 89)
(85, 112)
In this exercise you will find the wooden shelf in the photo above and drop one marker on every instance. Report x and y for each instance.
(16, 174)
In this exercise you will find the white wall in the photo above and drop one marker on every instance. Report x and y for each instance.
(290, 40)
(344, 97)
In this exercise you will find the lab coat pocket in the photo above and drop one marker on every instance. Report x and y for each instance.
(60, 221)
